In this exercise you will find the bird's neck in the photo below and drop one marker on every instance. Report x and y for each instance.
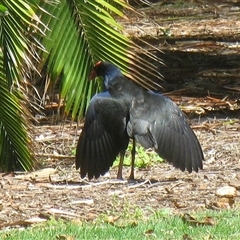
(107, 82)
(110, 76)
(123, 89)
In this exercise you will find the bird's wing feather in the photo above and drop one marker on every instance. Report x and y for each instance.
(103, 136)
(156, 122)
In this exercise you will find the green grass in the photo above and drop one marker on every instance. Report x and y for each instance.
(161, 225)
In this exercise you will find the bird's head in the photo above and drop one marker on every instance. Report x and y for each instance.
(106, 70)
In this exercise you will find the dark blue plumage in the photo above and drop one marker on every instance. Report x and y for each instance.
(127, 110)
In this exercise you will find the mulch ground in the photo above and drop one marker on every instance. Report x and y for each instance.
(57, 190)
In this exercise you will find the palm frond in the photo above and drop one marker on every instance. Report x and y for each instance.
(15, 140)
(81, 33)
(15, 40)
(15, 64)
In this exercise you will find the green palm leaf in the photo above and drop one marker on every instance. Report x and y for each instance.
(81, 33)
(15, 65)
(14, 139)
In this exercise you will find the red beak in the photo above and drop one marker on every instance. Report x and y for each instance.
(92, 75)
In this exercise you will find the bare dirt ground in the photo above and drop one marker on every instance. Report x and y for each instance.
(58, 191)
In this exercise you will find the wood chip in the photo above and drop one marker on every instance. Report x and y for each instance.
(226, 191)
(39, 175)
(82, 201)
(235, 184)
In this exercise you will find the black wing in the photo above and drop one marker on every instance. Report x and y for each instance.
(103, 136)
(156, 122)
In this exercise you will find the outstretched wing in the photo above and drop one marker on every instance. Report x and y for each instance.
(156, 122)
(103, 136)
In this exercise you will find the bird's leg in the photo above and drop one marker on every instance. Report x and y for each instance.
(131, 177)
(120, 166)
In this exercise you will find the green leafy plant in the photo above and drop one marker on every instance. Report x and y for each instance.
(143, 158)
